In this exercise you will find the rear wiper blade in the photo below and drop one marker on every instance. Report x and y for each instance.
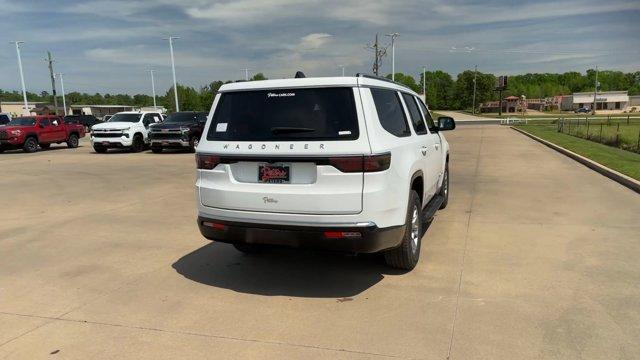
(290, 130)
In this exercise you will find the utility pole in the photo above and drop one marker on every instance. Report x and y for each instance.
(393, 55)
(376, 65)
(475, 73)
(378, 52)
(424, 82)
(153, 88)
(53, 82)
(595, 93)
(173, 70)
(24, 89)
(64, 101)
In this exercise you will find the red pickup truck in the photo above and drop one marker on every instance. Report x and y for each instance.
(29, 132)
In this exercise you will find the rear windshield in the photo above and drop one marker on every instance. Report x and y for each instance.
(121, 117)
(285, 114)
(186, 117)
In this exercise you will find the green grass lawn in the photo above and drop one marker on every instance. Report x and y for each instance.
(620, 160)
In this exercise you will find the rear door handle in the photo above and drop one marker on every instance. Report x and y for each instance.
(437, 146)
(423, 149)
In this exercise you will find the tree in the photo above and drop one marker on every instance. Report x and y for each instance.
(259, 76)
(439, 88)
(406, 80)
(485, 84)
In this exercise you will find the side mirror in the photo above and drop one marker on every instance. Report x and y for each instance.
(41, 126)
(446, 123)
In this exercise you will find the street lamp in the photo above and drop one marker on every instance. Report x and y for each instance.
(64, 101)
(173, 70)
(153, 88)
(393, 55)
(24, 89)
(342, 66)
(246, 74)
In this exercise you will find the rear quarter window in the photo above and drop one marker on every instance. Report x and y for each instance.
(390, 112)
(285, 115)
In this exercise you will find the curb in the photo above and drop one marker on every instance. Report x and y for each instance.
(620, 178)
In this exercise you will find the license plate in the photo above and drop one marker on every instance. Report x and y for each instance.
(165, 143)
(105, 143)
(274, 174)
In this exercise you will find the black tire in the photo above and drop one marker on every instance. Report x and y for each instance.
(1, 150)
(445, 189)
(138, 143)
(100, 149)
(193, 143)
(250, 248)
(45, 146)
(30, 145)
(156, 149)
(406, 255)
(72, 141)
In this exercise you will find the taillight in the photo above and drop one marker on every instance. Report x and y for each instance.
(367, 163)
(206, 161)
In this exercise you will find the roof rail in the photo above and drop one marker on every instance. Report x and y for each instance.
(381, 78)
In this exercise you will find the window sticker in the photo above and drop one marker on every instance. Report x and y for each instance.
(221, 127)
(345, 132)
(288, 94)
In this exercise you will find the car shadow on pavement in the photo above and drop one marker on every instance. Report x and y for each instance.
(284, 272)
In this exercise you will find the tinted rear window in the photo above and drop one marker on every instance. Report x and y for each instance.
(390, 112)
(186, 117)
(285, 114)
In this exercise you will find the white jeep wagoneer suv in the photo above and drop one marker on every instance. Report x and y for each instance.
(353, 164)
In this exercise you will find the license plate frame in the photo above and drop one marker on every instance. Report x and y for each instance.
(274, 173)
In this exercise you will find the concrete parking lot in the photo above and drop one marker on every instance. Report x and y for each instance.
(100, 257)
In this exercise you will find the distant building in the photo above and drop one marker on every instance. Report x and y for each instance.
(510, 104)
(16, 108)
(98, 111)
(606, 100)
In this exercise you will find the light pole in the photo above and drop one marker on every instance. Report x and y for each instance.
(24, 89)
(173, 70)
(475, 72)
(342, 66)
(246, 74)
(64, 101)
(153, 87)
(393, 55)
(595, 93)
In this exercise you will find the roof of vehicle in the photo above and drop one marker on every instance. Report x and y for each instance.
(350, 81)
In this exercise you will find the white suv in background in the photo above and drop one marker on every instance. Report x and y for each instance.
(127, 129)
(348, 163)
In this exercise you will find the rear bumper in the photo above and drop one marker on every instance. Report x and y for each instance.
(372, 239)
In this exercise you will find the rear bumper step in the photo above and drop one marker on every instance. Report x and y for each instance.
(371, 239)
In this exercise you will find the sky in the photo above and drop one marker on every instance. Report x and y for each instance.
(106, 46)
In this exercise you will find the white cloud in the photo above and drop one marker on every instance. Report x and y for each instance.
(314, 41)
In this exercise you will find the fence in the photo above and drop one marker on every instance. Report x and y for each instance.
(620, 132)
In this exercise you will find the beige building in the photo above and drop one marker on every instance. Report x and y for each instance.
(98, 111)
(605, 100)
(16, 108)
